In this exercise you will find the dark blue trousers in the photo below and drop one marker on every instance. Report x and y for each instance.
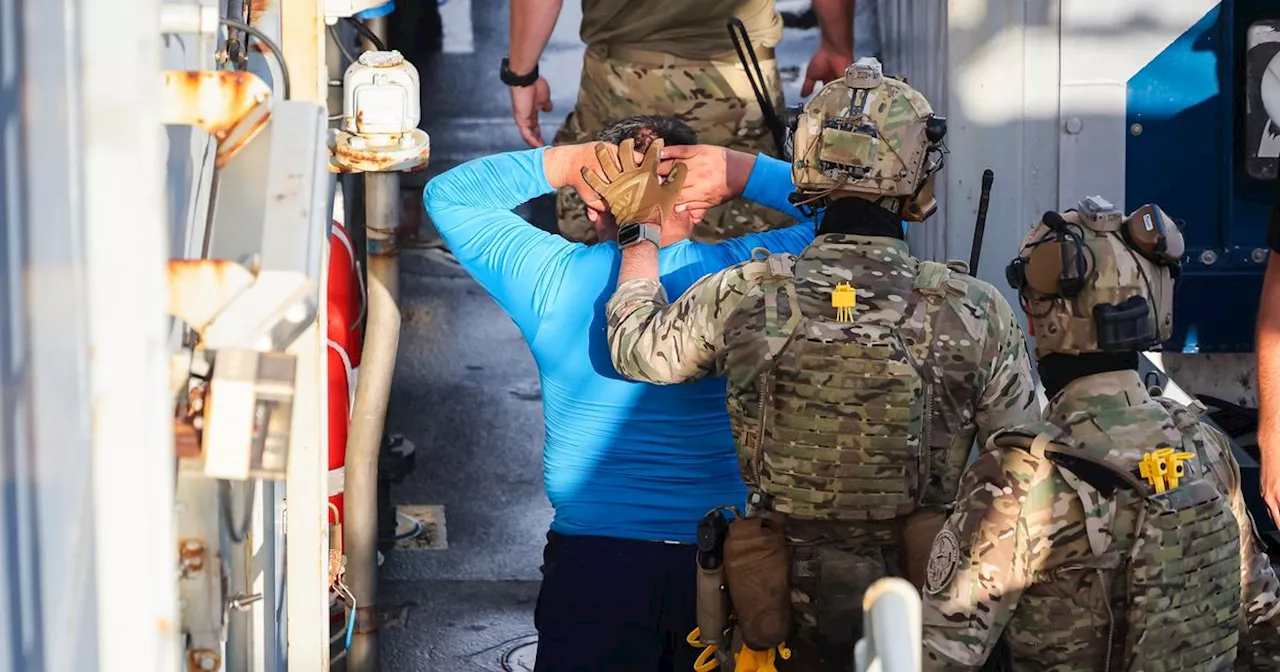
(615, 605)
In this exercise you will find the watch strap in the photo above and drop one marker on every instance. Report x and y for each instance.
(644, 231)
(512, 79)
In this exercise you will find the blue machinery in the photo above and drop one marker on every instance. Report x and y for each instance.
(1195, 127)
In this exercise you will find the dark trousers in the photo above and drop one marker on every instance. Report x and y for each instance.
(615, 605)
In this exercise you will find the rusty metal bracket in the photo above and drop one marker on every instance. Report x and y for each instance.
(232, 106)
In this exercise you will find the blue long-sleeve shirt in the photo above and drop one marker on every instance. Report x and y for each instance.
(621, 459)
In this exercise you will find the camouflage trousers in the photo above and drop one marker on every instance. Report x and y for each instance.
(832, 566)
(714, 97)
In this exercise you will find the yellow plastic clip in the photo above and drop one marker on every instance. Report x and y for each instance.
(1163, 468)
(706, 660)
(750, 660)
(843, 299)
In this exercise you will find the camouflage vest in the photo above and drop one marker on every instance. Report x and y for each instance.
(1173, 561)
(842, 419)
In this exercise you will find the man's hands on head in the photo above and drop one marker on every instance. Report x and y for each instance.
(716, 175)
(635, 192)
(710, 176)
(526, 102)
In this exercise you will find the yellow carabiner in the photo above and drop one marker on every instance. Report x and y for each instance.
(706, 660)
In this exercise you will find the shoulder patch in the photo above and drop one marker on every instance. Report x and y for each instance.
(944, 557)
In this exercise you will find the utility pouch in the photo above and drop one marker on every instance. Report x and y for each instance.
(843, 578)
(757, 565)
(917, 541)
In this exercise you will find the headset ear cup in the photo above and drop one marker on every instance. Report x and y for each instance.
(1044, 268)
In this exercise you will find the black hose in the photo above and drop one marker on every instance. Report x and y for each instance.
(275, 49)
(337, 40)
(367, 34)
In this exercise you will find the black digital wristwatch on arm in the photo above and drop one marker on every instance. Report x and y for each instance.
(512, 79)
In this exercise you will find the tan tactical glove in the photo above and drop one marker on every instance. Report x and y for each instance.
(636, 193)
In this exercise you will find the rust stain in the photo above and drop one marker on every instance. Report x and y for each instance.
(225, 103)
(203, 660)
(257, 8)
(191, 554)
(186, 441)
(199, 288)
(371, 160)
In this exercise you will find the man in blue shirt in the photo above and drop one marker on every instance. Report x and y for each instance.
(629, 467)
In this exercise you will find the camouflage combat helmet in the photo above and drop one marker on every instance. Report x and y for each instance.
(1093, 280)
(871, 136)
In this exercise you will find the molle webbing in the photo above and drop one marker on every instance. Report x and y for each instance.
(844, 441)
(839, 429)
(1184, 582)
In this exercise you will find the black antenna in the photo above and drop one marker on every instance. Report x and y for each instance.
(738, 33)
(980, 226)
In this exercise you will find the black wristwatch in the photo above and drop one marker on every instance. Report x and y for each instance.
(512, 79)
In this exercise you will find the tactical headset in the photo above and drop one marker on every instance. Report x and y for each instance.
(1059, 265)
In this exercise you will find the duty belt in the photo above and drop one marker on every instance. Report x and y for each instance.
(648, 57)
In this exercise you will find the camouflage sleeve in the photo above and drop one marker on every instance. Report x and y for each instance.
(982, 560)
(1008, 393)
(1259, 587)
(656, 342)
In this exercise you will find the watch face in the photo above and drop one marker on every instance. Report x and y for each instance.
(628, 235)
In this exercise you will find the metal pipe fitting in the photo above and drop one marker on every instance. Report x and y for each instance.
(368, 418)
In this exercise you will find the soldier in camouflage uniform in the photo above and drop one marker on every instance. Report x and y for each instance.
(656, 58)
(1112, 534)
(858, 375)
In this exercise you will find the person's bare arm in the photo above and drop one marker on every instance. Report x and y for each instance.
(835, 50)
(532, 22)
(1268, 349)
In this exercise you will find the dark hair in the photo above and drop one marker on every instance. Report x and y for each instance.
(643, 128)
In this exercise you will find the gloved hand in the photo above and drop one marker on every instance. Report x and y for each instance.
(636, 193)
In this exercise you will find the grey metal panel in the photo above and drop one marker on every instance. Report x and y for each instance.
(21, 639)
(54, 521)
(912, 39)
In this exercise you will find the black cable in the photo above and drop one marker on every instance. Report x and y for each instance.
(337, 40)
(275, 49)
(367, 34)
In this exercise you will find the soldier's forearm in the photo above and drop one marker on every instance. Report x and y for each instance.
(532, 22)
(639, 262)
(835, 22)
(1268, 349)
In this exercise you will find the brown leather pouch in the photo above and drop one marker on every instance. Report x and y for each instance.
(917, 540)
(757, 566)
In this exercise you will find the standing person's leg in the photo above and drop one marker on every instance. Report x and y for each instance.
(679, 606)
(595, 108)
(599, 606)
(715, 98)
(727, 113)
